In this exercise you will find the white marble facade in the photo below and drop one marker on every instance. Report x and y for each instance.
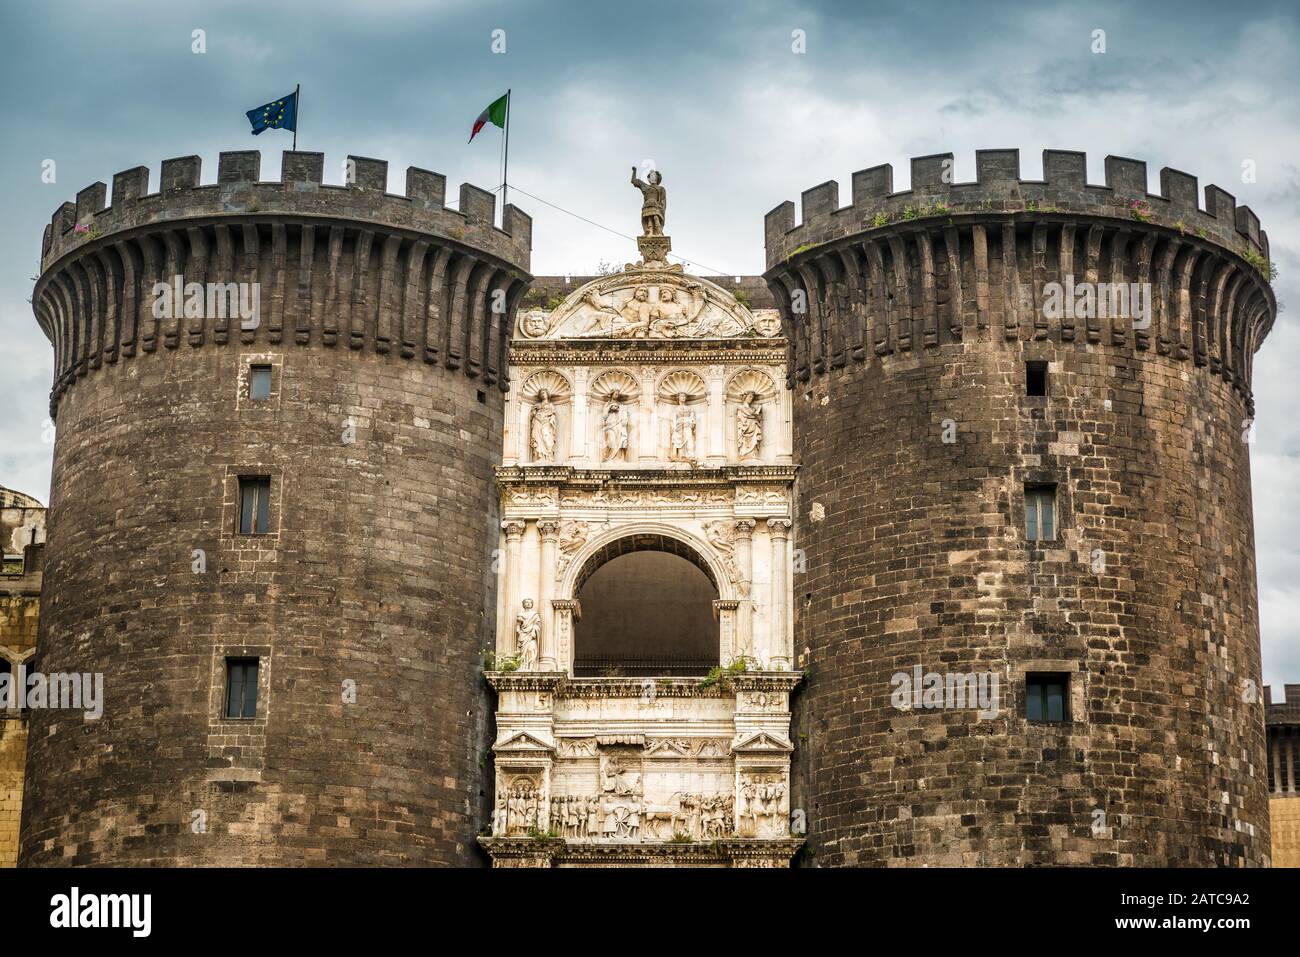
(648, 403)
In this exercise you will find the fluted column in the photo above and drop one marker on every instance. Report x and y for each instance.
(745, 611)
(778, 530)
(506, 630)
(549, 532)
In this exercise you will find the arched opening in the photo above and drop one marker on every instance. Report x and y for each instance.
(647, 609)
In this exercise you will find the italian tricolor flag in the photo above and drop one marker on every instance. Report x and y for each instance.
(495, 114)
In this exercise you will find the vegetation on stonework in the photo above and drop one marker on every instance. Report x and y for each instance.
(718, 675)
(799, 249)
(1140, 210)
(742, 297)
(680, 838)
(537, 834)
(1034, 206)
(880, 219)
(504, 663)
(1266, 267)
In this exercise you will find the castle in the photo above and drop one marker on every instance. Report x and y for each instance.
(934, 546)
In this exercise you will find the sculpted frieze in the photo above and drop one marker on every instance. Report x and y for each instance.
(649, 303)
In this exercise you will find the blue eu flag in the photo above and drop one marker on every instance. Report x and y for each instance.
(281, 114)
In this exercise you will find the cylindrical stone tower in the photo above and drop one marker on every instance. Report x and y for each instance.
(1017, 479)
(292, 472)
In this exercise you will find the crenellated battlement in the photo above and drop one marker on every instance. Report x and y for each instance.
(350, 265)
(300, 192)
(900, 273)
(999, 188)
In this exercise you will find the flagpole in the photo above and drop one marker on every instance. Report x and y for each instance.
(297, 110)
(505, 169)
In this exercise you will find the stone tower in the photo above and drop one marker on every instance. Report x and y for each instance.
(1013, 479)
(272, 516)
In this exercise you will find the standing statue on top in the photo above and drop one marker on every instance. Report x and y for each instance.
(654, 202)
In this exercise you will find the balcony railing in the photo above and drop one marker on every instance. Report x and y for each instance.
(626, 667)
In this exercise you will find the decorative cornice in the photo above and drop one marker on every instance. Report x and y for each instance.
(563, 686)
(741, 851)
(509, 476)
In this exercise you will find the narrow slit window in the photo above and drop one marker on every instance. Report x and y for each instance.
(241, 687)
(1047, 698)
(1035, 378)
(1040, 513)
(254, 505)
(259, 383)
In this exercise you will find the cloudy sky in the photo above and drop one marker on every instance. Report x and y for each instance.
(712, 93)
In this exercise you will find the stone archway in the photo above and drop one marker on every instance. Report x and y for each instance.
(648, 608)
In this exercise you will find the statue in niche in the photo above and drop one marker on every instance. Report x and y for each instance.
(614, 429)
(528, 629)
(543, 429)
(749, 426)
(654, 202)
(682, 439)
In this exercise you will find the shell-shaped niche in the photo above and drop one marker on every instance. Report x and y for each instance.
(615, 384)
(682, 382)
(555, 386)
(750, 381)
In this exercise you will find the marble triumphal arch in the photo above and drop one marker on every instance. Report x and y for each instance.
(643, 660)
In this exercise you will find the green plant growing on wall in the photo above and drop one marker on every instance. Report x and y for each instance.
(880, 219)
(1266, 267)
(718, 675)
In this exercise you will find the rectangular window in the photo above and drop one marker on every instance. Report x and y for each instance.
(1047, 698)
(1035, 378)
(1040, 513)
(241, 687)
(259, 383)
(254, 505)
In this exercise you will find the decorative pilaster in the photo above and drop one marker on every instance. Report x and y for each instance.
(565, 612)
(647, 438)
(717, 416)
(779, 654)
(724, 613)
(578, 436)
